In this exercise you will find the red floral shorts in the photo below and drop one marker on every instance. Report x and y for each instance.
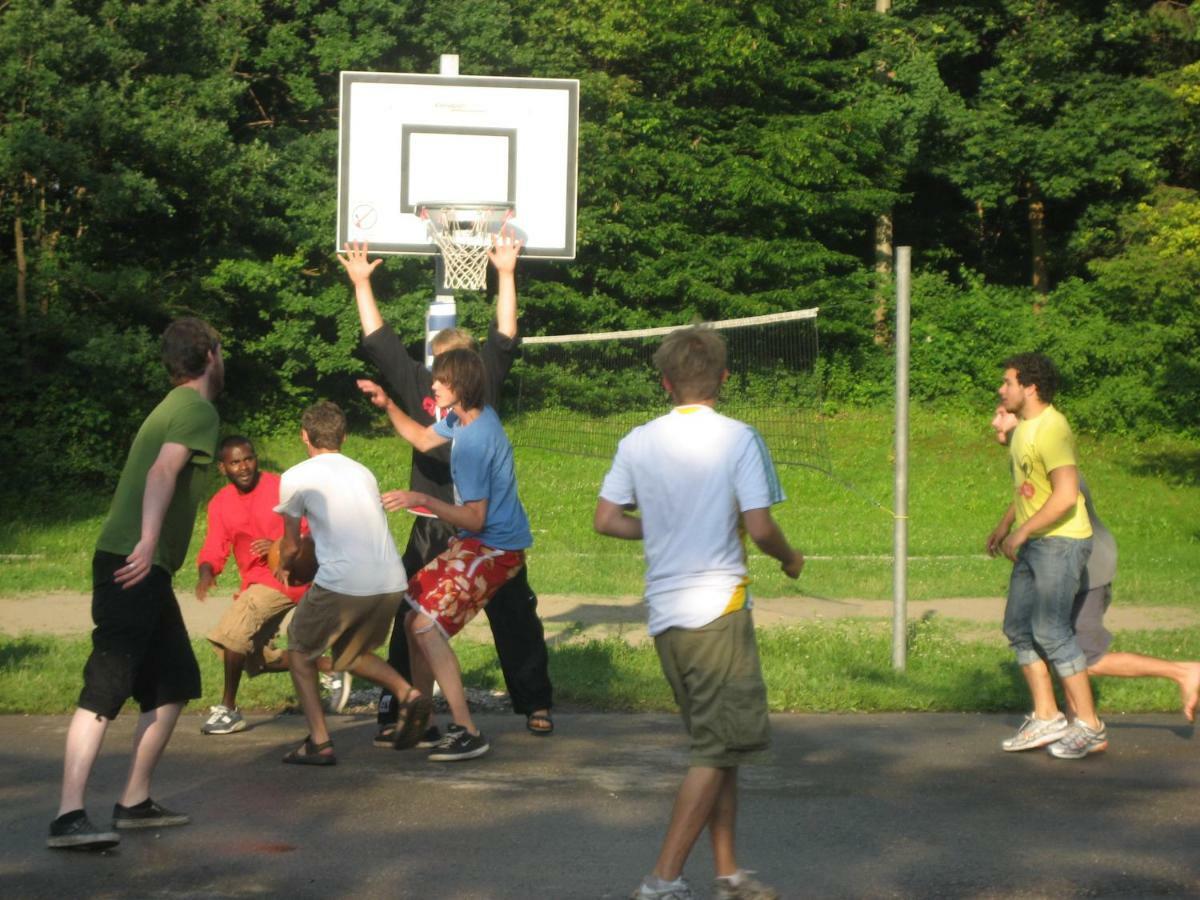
(455, 585)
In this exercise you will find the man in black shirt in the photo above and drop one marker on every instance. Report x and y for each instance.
(512, 612)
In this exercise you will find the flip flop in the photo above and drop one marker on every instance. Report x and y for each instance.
(540, 724)
(309, 754)
(414, 722)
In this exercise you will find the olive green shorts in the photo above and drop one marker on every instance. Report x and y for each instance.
(717, 680)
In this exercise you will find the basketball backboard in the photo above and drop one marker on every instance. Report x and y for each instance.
(408, 139)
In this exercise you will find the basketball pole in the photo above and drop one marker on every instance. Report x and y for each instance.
(900, 521)
(442, 312)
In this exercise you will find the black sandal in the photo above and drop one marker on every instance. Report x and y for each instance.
(540, 724)
(414, 722)
(309, 754)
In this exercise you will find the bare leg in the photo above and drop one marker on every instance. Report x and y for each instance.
(721, 825)
(1078, 691)
(1041, 689)
(85, 735)
(154, 729)
(694, 805)
(421, 673)
(444, 664)
(374, 669)
(1134, 665)
(304, 677)
(234, 664)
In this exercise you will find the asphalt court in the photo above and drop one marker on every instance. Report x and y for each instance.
(889, 805)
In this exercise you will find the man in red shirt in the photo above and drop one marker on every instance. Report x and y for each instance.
(242, 518)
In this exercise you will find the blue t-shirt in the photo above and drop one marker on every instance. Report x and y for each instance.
(481, 464)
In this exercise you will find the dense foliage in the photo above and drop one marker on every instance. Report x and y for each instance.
(169, 157)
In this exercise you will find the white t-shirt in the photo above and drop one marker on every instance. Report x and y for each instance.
(692, 473)
(340, 497)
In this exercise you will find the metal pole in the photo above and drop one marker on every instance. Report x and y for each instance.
(900, 527)
(442, 312)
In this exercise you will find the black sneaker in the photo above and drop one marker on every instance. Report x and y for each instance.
(75, 831)
(146, 814)
(431, 738)
(459, 744)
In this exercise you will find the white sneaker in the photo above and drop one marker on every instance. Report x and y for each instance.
(747, 887)
(1035, 732)
(1080, 740)
(678, 889)
(337, 690)
(223, 720)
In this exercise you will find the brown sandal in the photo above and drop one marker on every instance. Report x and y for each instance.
(540, 724)
(414, 721)
(309, 754)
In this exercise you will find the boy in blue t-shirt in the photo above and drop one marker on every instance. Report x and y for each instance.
(488, 548)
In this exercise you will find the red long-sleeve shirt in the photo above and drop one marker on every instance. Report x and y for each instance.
(235, 520)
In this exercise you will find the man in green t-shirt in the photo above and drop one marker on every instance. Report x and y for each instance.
(1049, 547)
(140, 647)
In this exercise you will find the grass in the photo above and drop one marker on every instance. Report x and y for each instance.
(1148, 493)
(815, 667)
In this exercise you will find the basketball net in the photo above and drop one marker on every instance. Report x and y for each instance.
(464, 236)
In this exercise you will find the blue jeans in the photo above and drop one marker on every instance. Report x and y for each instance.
(1041, 594)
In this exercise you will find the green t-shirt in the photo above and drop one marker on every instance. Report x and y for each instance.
(183, 417)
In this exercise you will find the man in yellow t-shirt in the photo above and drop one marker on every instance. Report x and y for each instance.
(1049, 547)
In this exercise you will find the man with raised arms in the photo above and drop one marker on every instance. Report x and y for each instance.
(698, 479)
(512, 612)
(140, 646)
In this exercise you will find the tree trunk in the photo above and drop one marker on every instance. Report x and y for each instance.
(22, 269)
(1037, 246)
(883, 274)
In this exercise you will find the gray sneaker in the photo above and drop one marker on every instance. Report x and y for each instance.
(747, 888)
(1035, 732)
(1080, 740)
(679, 889)
(337, 690)
(223, 720)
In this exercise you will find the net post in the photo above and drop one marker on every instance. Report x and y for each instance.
(442, 312)
(900, 526)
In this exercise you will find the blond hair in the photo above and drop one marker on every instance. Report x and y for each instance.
(692, 359)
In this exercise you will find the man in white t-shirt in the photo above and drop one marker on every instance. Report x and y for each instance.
(359, 584)
(699, 479)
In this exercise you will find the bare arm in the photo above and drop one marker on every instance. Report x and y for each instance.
(503, 254)
(471, 516)
(289, 546)
(1000, 532)
(160, 486)
(205, 582)
(359, 270)
(769, 538)
(424, 438)
(1064, 483)
(615, 520)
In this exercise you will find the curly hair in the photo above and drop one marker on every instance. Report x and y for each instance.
(1036, 369)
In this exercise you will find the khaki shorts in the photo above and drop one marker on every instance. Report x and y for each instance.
(249, 626)
(350, 625)
(715, 674)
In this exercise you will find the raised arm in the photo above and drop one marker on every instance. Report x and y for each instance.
(422, 437)
(359, 270)
(160, 486)
(503, 254)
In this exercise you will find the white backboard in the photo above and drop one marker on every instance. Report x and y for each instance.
(408, 139)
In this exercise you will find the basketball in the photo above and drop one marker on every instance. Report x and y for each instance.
(304, 566)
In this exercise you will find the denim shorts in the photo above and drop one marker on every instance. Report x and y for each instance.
(1041, 596)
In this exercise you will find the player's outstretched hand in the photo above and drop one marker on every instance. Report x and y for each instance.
(394, 500)
(355, 262)
(794, 566)
(377, 395)
(505, 248)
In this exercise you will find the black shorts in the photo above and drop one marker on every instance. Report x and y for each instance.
(140, 646)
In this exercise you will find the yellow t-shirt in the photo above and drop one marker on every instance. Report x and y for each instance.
(1038, 447)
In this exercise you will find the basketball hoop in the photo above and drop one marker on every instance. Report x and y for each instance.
(464, 235)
